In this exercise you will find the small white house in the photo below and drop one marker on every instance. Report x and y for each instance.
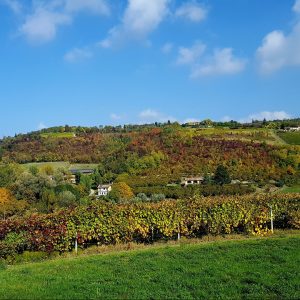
(192, 180)
(294, 129)
(104, 189)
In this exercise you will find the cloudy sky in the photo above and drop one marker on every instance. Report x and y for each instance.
(92, 62)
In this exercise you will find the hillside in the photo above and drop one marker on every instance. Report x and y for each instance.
(171, 150)
(245, 269)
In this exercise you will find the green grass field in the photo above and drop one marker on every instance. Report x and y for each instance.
(292, 189)
(263, 268)
(292, 138)
(255, 134)
(58, 135)
(61, 164)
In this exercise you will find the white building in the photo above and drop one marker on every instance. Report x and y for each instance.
(294, 129)
(192, 180)
(104, 189)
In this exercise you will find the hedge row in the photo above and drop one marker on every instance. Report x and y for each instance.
(106, 223)
(178, 192)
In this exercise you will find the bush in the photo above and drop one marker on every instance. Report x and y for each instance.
(143, 197)
(178, 192)
(157, 197)
(12, 244)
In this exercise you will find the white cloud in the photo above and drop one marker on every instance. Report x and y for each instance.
(94, 6)
(191, 120)
(149, 113)
(78, 54)
(116, 117)
(41, 126)
(190, 55)
(192, 11)
(42, 25)
(140, 18)
(226, 119)
(296, 7)
(46, 17)
(151, 116)
(14, 5)
(223, 62)
(279, 50)
(268, 115)
(167, 48)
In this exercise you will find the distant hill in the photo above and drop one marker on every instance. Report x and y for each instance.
(250, 152)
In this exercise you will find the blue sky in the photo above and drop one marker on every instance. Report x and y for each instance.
(94, 62)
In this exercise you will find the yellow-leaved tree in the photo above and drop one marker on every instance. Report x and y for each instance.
(9, 205)
(121, 191)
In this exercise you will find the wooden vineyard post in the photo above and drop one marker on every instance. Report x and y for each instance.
(76, 243)
(271, 215)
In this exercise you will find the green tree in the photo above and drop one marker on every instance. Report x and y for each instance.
(9, 174)
(30, 188)
(207, 179)
(222, 175)
(66, 199)
(85, 185)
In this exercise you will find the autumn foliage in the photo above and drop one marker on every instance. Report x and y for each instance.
(9, 205)
(167, 151)
(107, 223)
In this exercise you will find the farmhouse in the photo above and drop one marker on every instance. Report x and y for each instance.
(192, 180)
(104, 189)
(295, 128)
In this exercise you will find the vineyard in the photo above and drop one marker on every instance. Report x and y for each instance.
(170, 151)
(106, 223)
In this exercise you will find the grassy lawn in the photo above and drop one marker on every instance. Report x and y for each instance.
(292, 189)
(58, 135)
(62, 164)
(263, 268)
(292, 138)
(256, 134)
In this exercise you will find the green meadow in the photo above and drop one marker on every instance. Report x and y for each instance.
(292, 138)
(255, 268)
(61, 164)
(58, 135)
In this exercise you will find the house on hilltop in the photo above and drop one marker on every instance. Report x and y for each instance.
(294, 128)
(193, 180)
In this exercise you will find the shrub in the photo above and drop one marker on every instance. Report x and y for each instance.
(142, 196)
(12, 244)
(157, 197)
